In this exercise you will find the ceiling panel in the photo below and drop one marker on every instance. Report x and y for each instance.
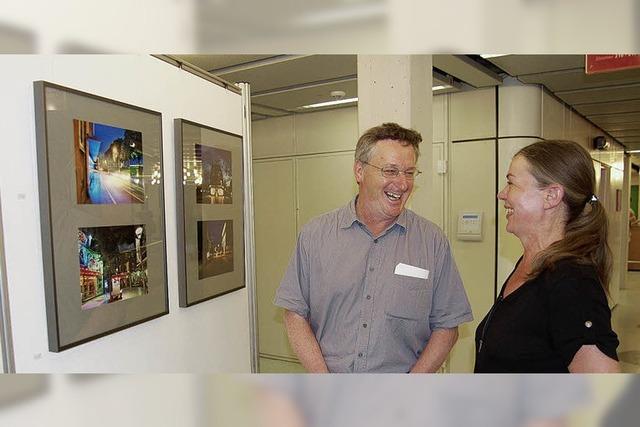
(466, 70)
(577, 79)
(282, 83)
(612, 119)
(625, 133)
(625, 141)
(296, 72)
(213, 62)
(606, 94)
(608, 107)
(293, 99)
(517, 65)
(622, 127)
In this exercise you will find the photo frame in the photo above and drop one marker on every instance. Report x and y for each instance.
(102, 214)
(210, 206)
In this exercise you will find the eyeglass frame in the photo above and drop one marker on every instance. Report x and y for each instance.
(404, 172)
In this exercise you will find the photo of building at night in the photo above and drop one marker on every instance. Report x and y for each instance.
(108, 164)
(215, 248)
(213, 177)
(113, 264)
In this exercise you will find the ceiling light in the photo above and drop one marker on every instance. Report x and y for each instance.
(328, 103)
(492, 55)
(441, 87)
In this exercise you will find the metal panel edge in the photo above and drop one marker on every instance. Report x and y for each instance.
(249, 235)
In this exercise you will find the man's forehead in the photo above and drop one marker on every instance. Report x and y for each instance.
(399, 142)
(389, 148)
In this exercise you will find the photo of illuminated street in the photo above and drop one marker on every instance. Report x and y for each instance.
(215, 248)
(213, 177)
(113, 264)
(108, 164)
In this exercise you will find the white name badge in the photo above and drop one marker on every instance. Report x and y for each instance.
(411, 271)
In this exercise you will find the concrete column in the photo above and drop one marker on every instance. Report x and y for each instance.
(397, 88)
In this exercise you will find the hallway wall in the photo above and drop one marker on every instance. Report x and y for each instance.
(475, 134)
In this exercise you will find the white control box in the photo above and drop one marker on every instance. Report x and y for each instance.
(469, 226)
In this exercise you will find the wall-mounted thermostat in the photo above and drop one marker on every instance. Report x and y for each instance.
(469, 226)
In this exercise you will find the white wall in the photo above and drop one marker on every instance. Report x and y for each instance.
(209, 337)
(308, 159)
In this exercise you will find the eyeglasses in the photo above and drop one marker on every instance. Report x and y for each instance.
(393, 172)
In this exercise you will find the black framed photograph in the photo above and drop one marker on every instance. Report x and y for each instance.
(102, 214)
(209, 182)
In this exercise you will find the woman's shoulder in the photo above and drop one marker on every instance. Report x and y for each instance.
(572, 277)
(571, 267)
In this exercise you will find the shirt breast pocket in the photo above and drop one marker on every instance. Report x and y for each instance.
(410, 299)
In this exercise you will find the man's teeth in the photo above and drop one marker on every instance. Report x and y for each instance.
(392, 196)
(509, 211)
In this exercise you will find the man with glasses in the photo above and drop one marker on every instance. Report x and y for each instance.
(372, 287)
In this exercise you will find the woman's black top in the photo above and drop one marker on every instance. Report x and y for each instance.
(540, 326)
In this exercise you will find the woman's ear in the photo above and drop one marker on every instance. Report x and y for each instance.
(553, 195)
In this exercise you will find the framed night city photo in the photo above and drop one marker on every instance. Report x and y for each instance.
(102, 214)
(209, 212)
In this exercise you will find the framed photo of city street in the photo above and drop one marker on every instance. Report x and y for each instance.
(209, 183)
(102, 214)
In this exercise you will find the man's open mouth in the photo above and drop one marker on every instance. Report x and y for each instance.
(392, 196)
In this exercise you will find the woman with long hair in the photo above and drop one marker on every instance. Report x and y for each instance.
(552, 313)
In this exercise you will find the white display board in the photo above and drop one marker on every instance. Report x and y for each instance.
(210, 337)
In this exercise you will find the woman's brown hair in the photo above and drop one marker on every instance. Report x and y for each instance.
(585, 235)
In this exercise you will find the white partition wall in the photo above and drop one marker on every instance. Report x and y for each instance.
(209, 337)
(472, 190)
(303, 167)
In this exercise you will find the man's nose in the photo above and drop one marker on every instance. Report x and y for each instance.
(404, 180)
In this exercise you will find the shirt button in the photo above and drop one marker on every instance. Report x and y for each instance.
(359, 354)
(371, 268)
(375, 240)
(364, 325)
(368, 296)
(588, 324)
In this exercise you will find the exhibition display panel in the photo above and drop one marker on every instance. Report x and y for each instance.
(102, 214)
(209, 190)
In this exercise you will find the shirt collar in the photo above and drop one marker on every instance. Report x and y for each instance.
(348, 216)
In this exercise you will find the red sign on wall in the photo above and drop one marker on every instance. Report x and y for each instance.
(605, 63)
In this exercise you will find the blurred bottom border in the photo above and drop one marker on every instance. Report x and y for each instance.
(318, 400)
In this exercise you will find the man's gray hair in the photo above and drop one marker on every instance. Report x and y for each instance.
(392, 131)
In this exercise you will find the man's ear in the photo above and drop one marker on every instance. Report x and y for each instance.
(553, 195)
(358, 170)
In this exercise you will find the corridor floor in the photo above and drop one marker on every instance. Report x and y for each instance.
(626, 323)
